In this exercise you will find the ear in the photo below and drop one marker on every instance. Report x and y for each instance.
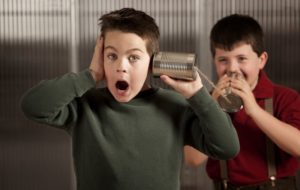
(263, 59)
(151, 63)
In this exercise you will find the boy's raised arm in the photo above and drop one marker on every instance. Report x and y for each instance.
(213, 126)
(51, 101)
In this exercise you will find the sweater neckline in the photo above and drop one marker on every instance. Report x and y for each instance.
(140, 99)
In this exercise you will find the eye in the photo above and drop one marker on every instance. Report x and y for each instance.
(222, 61)
(112, 56)
(242, 59)
(133, 58)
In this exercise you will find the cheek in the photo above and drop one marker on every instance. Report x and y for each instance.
(107, 67)
(249, 70)
(250, 76)
(107, 71)
(220, 69)
(141, 73)
(144, 66)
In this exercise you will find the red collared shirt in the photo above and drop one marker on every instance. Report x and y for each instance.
(250, 165)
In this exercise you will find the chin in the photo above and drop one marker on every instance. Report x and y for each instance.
(122, 98)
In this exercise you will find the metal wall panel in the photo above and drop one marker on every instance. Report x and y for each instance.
(34, 45)
(42, 39)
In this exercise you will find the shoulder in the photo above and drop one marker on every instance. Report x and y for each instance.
(284, 93)
(286, 102)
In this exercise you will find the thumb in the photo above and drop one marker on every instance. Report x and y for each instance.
(168, 80)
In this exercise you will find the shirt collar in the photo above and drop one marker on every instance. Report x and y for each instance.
(264, 87)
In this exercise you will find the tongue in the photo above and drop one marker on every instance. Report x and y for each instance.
(122, 85)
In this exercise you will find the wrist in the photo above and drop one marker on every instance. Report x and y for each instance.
(188, 95)
(254, 111)
(96, 76)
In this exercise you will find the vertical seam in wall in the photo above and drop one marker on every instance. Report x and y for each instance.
(73, 65)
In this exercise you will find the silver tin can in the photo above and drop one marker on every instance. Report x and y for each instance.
(230, 102)
(175, 65)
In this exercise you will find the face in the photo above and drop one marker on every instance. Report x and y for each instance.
(241, 59)
(126, 63)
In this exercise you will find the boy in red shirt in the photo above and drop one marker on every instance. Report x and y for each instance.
(237, 47)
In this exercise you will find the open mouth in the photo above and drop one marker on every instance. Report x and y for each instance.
(122, 85)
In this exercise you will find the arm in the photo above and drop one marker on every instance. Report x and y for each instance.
(193, 157)
(52, 101)
(284, 135)
(212, 132)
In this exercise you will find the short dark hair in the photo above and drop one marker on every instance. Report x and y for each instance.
(236, 28)
(132, 21)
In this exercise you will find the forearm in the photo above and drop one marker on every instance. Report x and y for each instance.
(49, 100)
(218, 133)
(193, 157)
(282, 134)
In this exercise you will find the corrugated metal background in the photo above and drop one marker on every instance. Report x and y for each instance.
(41, 39)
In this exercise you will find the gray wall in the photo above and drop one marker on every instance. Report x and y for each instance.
(41, 39)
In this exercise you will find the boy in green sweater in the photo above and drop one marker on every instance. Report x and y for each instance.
(129, 136)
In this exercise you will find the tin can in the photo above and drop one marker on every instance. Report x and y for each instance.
(175, 65)
(230, 102)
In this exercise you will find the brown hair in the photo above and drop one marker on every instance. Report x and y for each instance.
(234, 29)
(132, 21)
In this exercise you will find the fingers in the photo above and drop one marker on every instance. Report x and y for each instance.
(100, 43)
(97, 62)
(185, 88)
(241, 88)
(240, 84)
(169, 81)
(220, 87)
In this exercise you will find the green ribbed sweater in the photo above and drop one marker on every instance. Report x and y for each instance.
(130, 146)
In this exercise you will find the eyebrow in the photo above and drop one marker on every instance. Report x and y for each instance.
(110, 47)
(133, 49)
(221, 57)
(239, 55)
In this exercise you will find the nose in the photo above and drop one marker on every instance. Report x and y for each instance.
(233, 66)
(121, 66)
(121, 70)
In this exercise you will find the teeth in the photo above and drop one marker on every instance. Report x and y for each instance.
(122, 85)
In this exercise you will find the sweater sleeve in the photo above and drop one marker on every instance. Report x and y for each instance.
(213, 132)
(53, 101)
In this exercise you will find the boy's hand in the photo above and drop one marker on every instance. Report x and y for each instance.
(185, 88)
(241, 88)
(96, 66)
(222, 84)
